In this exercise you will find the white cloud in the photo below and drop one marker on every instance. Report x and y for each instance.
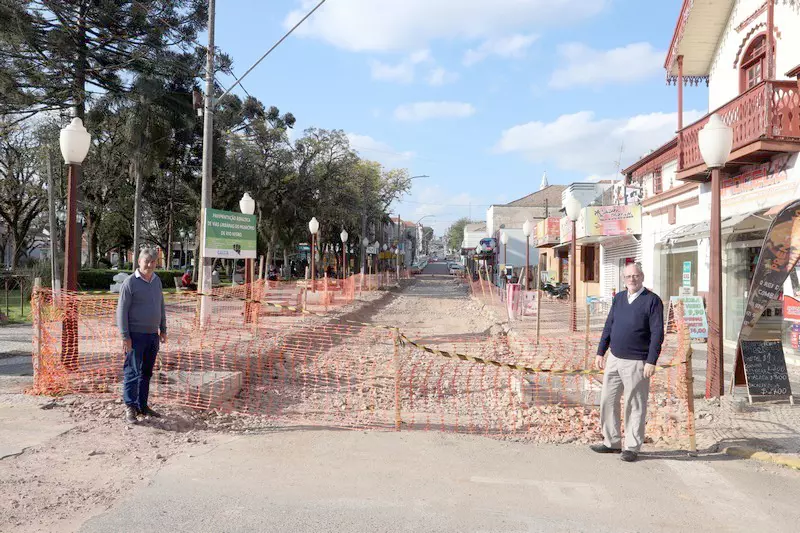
(514, 46)
(373, 25)
(403, 72)
(580, 142)
(586, 66)
(379, 151)
(440, 207)
(439, 76)
(420, 111)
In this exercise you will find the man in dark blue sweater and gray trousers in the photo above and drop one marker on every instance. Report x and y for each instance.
(634, 331)
(142, 324)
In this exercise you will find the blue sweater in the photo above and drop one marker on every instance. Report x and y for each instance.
(141, 307)
(634, 331)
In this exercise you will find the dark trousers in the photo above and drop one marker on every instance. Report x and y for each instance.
(138, 369)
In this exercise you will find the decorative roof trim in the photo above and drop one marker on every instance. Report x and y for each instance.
(752, 17)
(677, 36)
(665, 148)
(687, 80)
(746, 41)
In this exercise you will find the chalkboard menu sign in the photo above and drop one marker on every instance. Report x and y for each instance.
(765, 369)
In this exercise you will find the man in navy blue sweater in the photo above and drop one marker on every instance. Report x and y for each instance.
(634, 331)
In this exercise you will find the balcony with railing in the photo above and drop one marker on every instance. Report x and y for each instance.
(765, 120)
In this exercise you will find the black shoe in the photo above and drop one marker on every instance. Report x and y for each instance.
(130, 414)
(602, 448)
(629, 456)
(146, 411)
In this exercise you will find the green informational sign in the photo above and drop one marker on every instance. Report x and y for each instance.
(687, 273)
(228, 234)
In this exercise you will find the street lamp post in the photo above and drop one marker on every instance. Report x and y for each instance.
(247, 206)
(313, 227)
(573, 208)
(74, 141)
(343, 236)
(526, 229)
(715, 141)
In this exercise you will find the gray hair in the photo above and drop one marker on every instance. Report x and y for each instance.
(148, 253)
(638, 266)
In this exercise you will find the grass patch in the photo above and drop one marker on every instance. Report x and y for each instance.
(15, 307)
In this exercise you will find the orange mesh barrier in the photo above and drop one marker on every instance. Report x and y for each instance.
(260, 353)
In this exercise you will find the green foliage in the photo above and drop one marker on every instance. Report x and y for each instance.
(102, 279)
(455, 233)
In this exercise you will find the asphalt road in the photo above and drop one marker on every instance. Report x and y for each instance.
(352, 481)
(439, 268)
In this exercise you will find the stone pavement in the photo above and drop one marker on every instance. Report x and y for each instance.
(732, 421)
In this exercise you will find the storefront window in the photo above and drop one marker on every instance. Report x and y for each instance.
(741, 258)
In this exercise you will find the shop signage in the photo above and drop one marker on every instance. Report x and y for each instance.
(778, 256)
(694, 315)
(548, 231)
(687, 273)
(757, 178)
(612, 220)
(791, 308)
(686, 291)
(228, 234)
(372, 250)
(565, 229)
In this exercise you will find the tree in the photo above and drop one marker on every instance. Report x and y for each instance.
(455, 233)
(427, 237)
(23, 194)
(55, 55)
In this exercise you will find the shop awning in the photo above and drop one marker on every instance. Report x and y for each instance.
(752, 221)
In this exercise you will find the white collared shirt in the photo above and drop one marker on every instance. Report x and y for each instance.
(632, 297)
(139, 275)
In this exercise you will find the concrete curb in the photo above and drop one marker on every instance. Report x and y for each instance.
(765, 457)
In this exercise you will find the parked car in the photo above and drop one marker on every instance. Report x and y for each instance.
(456, 269)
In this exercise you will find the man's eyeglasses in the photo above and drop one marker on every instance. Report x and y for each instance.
(633, 276)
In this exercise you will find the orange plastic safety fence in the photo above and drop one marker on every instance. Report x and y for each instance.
(255, 355)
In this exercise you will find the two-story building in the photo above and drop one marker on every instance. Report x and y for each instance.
(748, 54)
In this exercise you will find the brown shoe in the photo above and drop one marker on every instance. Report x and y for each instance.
(602, 448)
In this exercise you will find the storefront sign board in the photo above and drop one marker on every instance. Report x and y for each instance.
(694, 315)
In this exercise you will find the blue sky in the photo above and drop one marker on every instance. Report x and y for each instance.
(482, 96)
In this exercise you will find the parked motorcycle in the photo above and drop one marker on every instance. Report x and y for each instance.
(560, 291)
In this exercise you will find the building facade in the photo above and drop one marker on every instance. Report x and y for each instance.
(748, 54)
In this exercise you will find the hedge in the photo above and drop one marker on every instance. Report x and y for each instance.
(102, 279)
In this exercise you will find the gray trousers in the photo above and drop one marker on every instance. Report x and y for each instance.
(628, 376)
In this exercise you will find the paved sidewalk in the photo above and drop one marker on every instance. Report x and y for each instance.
(15, 339)
(732, 421)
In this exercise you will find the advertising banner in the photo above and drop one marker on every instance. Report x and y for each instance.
(612, 220)
(229, 235)
(778, 256)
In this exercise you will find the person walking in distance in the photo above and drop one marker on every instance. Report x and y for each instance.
(634, 332)
(142, 322)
